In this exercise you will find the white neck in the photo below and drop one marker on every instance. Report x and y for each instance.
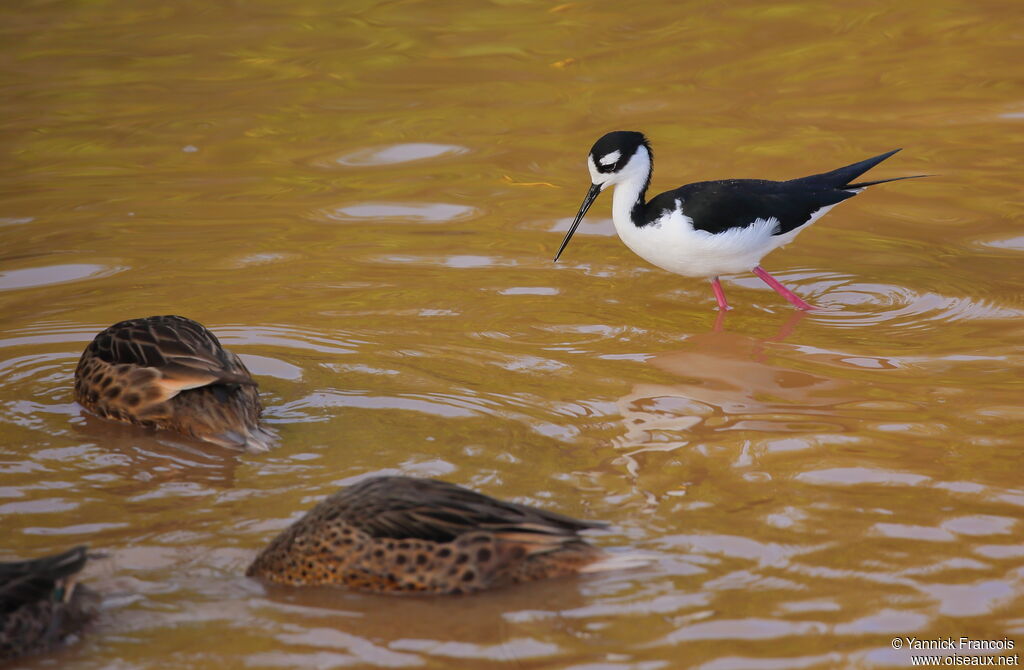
(629, 185)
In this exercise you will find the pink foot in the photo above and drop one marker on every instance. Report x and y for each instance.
(716, 286)
(780, 289)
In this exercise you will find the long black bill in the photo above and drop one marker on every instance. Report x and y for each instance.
(595, 190)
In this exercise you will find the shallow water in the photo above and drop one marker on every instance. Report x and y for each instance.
(363, 201)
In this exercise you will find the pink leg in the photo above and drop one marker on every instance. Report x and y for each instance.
(716, 286)
(780, 289)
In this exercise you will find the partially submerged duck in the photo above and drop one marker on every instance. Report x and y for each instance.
(413, 535)
(171, 373)
(40, 603)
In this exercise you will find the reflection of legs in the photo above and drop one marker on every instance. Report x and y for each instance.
(787, 328)
(719, 325)
(785, 331)
(716, 286)
(780, 289)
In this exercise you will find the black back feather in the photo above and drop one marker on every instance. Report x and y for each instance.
(718, 206)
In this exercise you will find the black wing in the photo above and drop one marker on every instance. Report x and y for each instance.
(718, 206)
(409, 507)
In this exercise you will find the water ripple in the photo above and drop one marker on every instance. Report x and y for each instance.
(1004, 243)
(389, 154)
(420, 212)
(55, 274)
(396, 153)
(847, 303)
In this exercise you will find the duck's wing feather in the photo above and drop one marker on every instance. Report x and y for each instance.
(25, 582)
(408, 507)
(186, 354)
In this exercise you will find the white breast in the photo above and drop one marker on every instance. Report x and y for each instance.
(672, 244)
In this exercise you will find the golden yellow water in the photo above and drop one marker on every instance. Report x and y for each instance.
(363, 200)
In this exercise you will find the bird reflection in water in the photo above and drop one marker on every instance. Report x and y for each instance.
(730, 389)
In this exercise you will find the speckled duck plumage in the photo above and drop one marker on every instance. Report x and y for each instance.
(169, 372)
(412, 535)
(40, 603)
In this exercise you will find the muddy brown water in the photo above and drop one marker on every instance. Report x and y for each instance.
(363, 200)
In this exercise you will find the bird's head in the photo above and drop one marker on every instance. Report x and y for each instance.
(619, 156)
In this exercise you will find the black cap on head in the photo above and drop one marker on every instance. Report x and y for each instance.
(625, 142)
(609, 154)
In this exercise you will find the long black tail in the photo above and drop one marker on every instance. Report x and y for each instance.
(841, 178)
(865, 184)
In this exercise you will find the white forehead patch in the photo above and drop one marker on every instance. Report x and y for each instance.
(609, 159)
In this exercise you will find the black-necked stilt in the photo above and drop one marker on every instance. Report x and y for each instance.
(711, 228)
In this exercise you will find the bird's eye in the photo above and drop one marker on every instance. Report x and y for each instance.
(610, 159)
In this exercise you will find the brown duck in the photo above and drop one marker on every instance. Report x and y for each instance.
(411, 535)
(169, 372)
(40, 603)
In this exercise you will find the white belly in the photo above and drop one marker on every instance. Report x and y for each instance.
(672, 244)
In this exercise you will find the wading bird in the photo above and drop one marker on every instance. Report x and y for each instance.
(711, 228)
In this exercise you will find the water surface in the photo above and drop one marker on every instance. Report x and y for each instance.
(363, 200)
